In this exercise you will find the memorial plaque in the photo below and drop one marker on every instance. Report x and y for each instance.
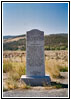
(35, 67)
(35, 53)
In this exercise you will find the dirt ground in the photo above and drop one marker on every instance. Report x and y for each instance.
(40, 91)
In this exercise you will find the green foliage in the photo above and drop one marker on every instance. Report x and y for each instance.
(58, 86)
(65, 69)
(57, 48)
(27, 87)
(15, 45)
(47, 48)
(23, 48)
(51, 42)
(52, 48)
(56, 41)
(63, 48)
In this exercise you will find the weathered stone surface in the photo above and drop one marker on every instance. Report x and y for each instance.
(35, 53)
(35, 66)
(36, 80)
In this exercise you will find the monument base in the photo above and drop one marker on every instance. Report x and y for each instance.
(36, 80)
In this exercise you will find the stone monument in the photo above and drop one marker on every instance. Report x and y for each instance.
(35, 65)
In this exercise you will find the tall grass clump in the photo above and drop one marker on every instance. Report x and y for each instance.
(18, 70)
(64, 69)
(53, 67)
(7, 66)
(14, 70)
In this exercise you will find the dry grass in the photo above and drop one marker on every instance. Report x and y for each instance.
(54, 85)
(53, 67)
(13, 39)
(13, 84)
(16, 68)
(7, 66)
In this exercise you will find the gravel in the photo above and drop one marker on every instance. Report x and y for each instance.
(40, 91)
(37, 93)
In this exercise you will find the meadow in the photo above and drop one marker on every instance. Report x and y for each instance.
(14, 65)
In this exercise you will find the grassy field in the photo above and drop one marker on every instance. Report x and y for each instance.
(14, 65)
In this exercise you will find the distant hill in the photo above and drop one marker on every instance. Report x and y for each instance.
(52, 42)
(56, 41)
(7, 37)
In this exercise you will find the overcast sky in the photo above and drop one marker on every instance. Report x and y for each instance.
(48, 17)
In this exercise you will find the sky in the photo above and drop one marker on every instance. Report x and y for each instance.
(18, 18)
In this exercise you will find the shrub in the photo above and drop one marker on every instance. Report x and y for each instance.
(47, 48)
(23, 48)
(52, 48)
(58, 86)
(57, 48)
(62, 48)
(65, 69)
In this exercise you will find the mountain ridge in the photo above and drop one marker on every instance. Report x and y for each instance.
(51, 42)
